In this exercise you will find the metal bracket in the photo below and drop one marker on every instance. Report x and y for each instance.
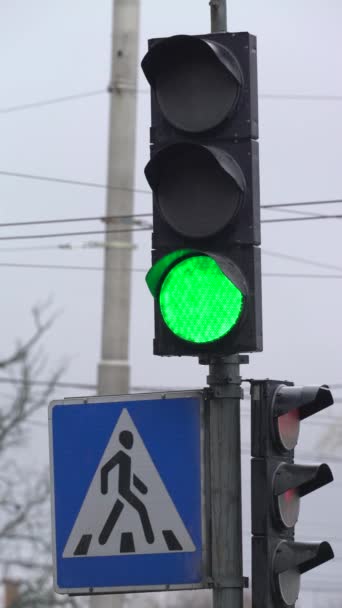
(214, 379)
(229, 583)
(206, 359)
(232, 391)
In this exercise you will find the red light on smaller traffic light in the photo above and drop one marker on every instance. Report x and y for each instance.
(288, 507)
(288, 495)
(288, 429)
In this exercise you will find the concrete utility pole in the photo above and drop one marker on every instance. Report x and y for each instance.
(114, 369)
(225, 452)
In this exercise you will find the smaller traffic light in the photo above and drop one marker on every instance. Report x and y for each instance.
(278, 485)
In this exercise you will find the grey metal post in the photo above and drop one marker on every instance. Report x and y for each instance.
(225, 481)
(114, 369)
(218, 15)
(225, 452)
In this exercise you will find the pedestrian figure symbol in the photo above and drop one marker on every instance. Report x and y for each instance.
(127, 509)
(123, 461)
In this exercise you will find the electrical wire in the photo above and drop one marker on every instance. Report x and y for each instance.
(284, 275)
(294, 258)
(300, 97)
(108, 218)
(86, 233)
(67, 267)
(74, 182)
(294, 211)
(302, 203)
(302, 219)
(144, 191)
(64, 234)
(270, 96)
(64, 246)
(289, 275)
(276, 207)
(47, 102)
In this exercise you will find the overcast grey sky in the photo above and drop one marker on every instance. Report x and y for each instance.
(51, 48)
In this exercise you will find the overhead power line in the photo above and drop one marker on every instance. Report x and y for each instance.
(270, 96)
(74, 182)
(284, 275)
(76, 96)
(302, 218)
(68, 267)
(278, 207)
(301, 97)
(102, 244)
(289, 275)
(303, 203)
(101, 218)
(295, 258)
(88, 184)
(85, 233)
(142, 228)
(266, 252)
(54, 100)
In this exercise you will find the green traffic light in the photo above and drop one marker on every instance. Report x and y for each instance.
(198, 302)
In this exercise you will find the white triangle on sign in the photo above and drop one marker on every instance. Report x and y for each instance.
(140, 518)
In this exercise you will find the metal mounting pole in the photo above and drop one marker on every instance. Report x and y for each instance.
(225, 451)
(225, 481)
(218, 14)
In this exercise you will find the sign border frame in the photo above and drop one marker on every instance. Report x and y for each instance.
(205, 583)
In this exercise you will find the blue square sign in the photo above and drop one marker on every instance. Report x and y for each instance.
(128, 493)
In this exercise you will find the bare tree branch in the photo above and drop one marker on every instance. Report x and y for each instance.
(21, 352)
(25, 550)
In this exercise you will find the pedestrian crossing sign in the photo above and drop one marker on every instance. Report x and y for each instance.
(128, 493)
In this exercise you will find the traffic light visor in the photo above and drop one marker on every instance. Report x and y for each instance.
(200, 300)
(196, 81)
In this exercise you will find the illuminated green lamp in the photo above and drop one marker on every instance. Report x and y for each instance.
(201, 296)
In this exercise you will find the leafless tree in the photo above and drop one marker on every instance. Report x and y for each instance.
(25, 551)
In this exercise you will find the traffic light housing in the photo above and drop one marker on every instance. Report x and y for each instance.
(204, 175)
(278, 484)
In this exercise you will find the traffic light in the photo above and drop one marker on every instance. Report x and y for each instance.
(204, 175)
(278, 484)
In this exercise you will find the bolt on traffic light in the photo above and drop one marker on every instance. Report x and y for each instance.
(204, 175)
(278, 484)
